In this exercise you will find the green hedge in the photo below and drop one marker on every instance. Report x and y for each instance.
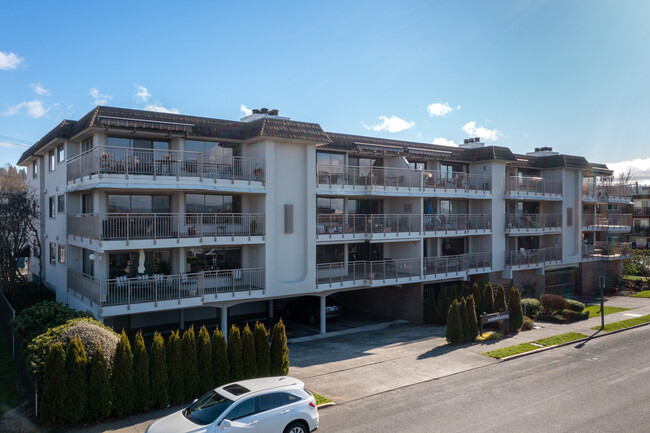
(37, 319)
(531, 307)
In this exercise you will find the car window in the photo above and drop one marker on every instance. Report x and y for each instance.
(245, 408)
(289, 398)
(269, 401)
(207, 408)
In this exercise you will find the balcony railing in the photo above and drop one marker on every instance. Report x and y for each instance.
(159, 287)
(364, 225)
(607, 190)
(641, 231)
(533, 186)
(131, 226)
(153, 162)
(401, 178)
(464, 222)
(533, 222)
(604, 250)
(608, 222)
(479, 261)
(642, 211)
(529, 258)
(445, 265)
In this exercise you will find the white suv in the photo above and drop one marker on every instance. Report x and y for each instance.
(267, 405)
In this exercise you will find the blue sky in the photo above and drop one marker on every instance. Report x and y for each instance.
(568, 74)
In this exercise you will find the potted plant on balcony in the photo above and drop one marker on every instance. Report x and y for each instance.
(253, 227)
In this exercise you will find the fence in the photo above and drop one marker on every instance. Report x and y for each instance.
(7, 313)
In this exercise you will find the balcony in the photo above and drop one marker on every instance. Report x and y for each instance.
(531, 259)
(607, 192)
(139, 230)
(401, 181)
(641, 231)
(642, 211)
(517, 224)
(610, 223)
(166, 292)
(163, 166)
(606, 251)
(518, 187)
(457, 225)
(384, 227)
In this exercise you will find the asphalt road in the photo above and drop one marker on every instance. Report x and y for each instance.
(602, 385)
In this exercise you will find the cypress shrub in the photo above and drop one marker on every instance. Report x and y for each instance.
(99, 391)
(262, 350)
(158, 373)
(279, 351)
(478, 299)
(220, 364)
(462, 307)
(464, 291)
(248, 349)
(453, 294)
(235, 358)
(75, 369)
(499, 300)
(204, 359)
(429, 307)
(442, 308)
(472, 321)
(454, 331)
(190, 366)
(122, 379)
(142, 401)
(55, 385)
(516, 314)
(488, 299)
(175, 368)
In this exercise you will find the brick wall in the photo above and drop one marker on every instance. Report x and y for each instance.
(590, 271)
(529, 277)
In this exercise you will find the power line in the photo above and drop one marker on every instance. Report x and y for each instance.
(16, 141)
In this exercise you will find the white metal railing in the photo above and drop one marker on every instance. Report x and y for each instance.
(365, 224)
(520, 221)
(130, 226)
(154, 162)
(533, 257)
(606, 250)
(457, 181)
(607, 189)
(533, 186)
(479, 261)
(444, 265)
(608, 222)
(463, 222)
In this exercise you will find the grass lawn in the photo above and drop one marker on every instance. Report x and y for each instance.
(642, 294)
(594, 310)
(9, 396)
(527, 347)
(624, 324)
(321, 400)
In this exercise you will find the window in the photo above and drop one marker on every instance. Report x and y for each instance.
(329, 158)
(207, 408)
(213, 149)
(127, 264)
(52, 160)
(87, 144)
(269, 401)
(87, 203)
(329, 206)
(200, 203)
(138, 203)
(62, 254)
(35, 170)
(60, 154)
(569, 217)
(52, 253)
(612, 206)
(88, 265)
(213, 259)
(61, 204)
(245, 408)
(330, 253)
(52, 208)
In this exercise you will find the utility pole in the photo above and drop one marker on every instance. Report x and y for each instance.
(601, 283)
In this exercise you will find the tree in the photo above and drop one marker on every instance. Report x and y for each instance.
(442, 308)
(249, 356)
(488, 299)
(122, 380)
(204, 360)
(142, 400)
(262, 350)
(158, 372)
(220, 364)
(454, 331)
(464, 290)
(429, 306)
(462, 306)
(279, 351)
(235, 358)
(478, 299)
(499, 300)
(75, 369)
(55, 386)
(99, 390)
(472, 321)
(516, 314)
(453, 293)
(190, 366)
(175, 368)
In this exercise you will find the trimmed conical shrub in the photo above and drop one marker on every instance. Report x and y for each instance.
(175, 368)
(464, 290)
(142, 401)
(158, 373)
(122, 379)
(462, 305)
(453, 294)
(99, 390)
(262, 350)
(472, 322)
(190, 366)
(235, 357)
(516, 314)
(55, 386)
(454, 331)
(220, 364)
(499, 300)
(204, 360)
(279, 351)
(248, 353)
(75, 369)
(478, 299)
(429, 306)
(488, 299)
(442, 307)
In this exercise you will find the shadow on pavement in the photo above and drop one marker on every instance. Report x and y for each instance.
(582, 343)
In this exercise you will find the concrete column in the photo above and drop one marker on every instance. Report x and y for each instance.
(323, 327)
(270, 308)
(181, 319)
(224, 321)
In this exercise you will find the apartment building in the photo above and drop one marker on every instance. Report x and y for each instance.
(150, 218)
(640, 237)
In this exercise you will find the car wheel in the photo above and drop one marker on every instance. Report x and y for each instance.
(312, 319)
(296, 427)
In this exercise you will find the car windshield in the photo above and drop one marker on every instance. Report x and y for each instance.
(207, 408)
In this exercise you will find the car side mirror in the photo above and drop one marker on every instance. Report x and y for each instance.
(226, 423)
(195, 400)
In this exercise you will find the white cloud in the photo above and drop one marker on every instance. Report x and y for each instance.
(7, 145)
(9, 61)
(244, 109)
(34, 109)
(444, 142)
(457, 107)
(99, 98)
(158, 107)
(390, 124)
(39, 89)
(437, 109)
(472, 130)
(640, 169)
(142, 95)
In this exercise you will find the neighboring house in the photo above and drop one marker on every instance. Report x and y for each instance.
(151, 218)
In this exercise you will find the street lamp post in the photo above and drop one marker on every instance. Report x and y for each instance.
(601, 283)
